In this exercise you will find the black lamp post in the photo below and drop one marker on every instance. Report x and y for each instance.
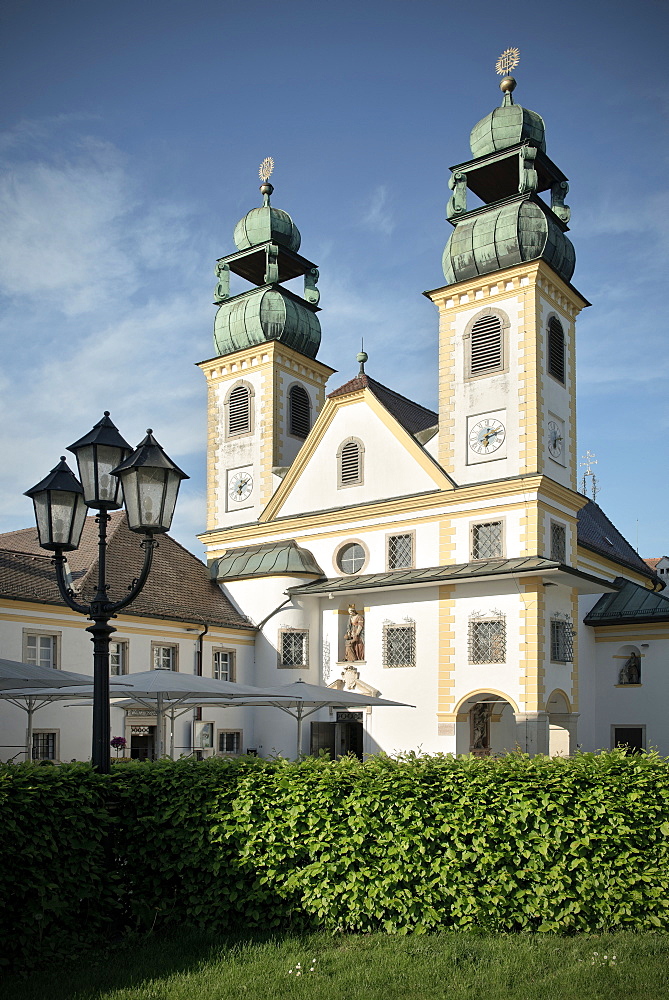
(150, 482)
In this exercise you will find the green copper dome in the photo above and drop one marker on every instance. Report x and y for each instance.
(507, 126)
(501, 237)
(267, 225)
(265, 314)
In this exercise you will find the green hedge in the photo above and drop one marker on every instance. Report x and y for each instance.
(407, 844)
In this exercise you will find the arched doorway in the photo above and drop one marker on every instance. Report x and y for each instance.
(561, 725)
(486, 724)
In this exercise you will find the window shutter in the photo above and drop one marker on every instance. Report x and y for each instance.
(350, 463)
(486, 354)
(299, 411)
(239, 410)
(556, 349)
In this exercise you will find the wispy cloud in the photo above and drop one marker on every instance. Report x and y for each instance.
(377, 216)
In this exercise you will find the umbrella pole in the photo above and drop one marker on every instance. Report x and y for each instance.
(299, 730)
(30, 708)
(172, 733)
(159, 725)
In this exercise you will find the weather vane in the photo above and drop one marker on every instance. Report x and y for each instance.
(508, 61)
(266, 168)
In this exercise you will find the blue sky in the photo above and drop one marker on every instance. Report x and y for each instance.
(129, 148)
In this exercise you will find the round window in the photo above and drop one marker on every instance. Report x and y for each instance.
(351, 558)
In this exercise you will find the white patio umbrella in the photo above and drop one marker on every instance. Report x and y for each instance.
(163, 691)
(301, 699)
(31, 687)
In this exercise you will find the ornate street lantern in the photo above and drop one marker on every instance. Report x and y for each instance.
(98, 453)
(60, 510)
(150, 482)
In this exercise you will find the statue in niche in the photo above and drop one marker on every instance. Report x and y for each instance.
(631, 671)
(353, 638)
(480, 717)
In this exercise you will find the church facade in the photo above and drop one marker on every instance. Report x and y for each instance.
(444, 560)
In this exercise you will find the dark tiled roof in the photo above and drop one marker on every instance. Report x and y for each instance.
(179, 585)
(433, 574)
(596, 532)
(633, 603)
(412, 416)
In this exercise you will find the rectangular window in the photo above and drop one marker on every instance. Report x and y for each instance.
(224, 665)
(45, 745)
(118, 658)
(40, 650)
(293, 648)
(562, 643)
(164, 657)
(400, 551)
(487, 540)
(229, 741)
(399, 645)
(487, 640)
(558, 542)
(631, 738)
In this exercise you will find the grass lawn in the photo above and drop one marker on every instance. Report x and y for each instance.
(453, 965)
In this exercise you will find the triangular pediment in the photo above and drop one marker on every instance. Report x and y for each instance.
(394, 463)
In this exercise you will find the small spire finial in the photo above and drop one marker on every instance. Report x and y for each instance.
(362, 357)
(508, 61)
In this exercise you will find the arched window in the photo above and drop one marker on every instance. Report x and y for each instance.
(486, 346)
(299, 408)
(556, 349)
(239, 410)
(349, 462)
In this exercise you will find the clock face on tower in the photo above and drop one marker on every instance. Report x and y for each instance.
(240, 486)
(555, 439)
(486, 436)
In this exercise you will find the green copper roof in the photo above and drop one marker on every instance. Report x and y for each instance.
(264, 314)
(271, 559)
(505, 127)
(632, 603)
(496, 237)
(267, 224)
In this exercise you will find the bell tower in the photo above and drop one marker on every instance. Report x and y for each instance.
(265, 387)
(508, 309)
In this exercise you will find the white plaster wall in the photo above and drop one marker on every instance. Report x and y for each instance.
(241, 452)
(556, 397)
(287, 445)
(496, 677)
(483, 395)
(388, 470)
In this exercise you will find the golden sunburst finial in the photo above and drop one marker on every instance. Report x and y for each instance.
(508, 61)
(266, 168)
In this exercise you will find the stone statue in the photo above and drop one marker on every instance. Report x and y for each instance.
(631, 671)
(355, 645)
(559, 192)
(529, 179)
(480, 717)
(222, 290)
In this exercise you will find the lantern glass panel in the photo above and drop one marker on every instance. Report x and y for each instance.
(60, 517)
(95, 464)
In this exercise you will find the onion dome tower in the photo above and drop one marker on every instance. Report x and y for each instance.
(267, 255)
(265, 386)
(508, 171)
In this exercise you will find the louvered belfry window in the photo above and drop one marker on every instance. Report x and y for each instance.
(239, 410)
(299, 411)
(486, 346)
(556, 349)
(350, 471)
